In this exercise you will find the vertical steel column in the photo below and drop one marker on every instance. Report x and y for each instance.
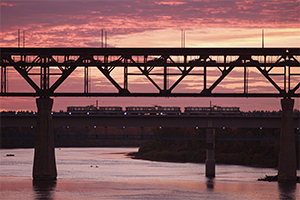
(44, 74)
(126, 74)
(289, 78)
(86, 79)
(185, 62)
(204, 78)
(44, 77)
(165, 78)
(106, 60)
(285, 78)
(210, 148)
(245, 80)
(145, 62)
(3, 79)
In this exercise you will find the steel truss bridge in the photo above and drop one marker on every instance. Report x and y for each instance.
(279, 66)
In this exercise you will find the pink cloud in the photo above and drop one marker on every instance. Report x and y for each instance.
(79, 24)
(59, 23)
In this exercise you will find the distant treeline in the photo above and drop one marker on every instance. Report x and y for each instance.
(250, 153)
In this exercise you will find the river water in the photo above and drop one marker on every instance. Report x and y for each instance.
(107, 173)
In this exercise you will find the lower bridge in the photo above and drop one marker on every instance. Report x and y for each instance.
(288, 122)
(67, 121)
(216, 121)
(202, 137)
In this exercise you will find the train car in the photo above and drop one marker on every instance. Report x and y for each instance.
(108, 110)
(214, 110)
(154, 110)
(82, 109)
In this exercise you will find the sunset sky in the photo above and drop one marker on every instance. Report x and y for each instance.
(207, 23)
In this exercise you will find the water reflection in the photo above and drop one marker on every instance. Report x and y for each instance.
(287, 190)
(44, 189)
(210, 184)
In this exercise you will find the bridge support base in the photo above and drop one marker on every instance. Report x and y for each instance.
(287, 170)
(210, 154)
(44, 165)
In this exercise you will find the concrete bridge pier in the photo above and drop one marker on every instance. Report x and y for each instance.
(287, 170)
(210, 151)
(44, 165)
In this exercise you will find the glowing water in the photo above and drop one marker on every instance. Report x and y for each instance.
(107, 173)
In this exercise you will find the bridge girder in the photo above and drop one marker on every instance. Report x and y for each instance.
(147, 62)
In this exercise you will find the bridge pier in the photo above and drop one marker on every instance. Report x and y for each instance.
(287, 170)
(44, 165)
(210, 151)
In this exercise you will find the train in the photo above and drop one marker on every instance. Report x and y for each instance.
(108, 110)
(152, 110)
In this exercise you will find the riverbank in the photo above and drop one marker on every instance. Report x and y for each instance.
(247, 153)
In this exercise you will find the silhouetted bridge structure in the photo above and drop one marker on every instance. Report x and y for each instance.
(200, 121)
(259, 122)
(45, 69)
(151, 137)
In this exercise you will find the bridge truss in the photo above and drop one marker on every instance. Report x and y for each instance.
(278, 66)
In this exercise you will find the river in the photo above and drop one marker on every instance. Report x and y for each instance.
(107, 173)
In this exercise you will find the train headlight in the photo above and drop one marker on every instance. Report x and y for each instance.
(161, 113)
(125, 113)
(88, 113)
(70, 113)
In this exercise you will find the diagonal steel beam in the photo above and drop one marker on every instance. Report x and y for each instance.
(146, 73)
(24, 74)
(296, 87)
(107, 75)
(184, 74)
(266, 75)
(225, 72)
(61, 79)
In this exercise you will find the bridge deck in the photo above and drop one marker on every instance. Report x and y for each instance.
(219, 121)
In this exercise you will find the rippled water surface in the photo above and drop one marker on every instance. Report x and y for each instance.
(107, 173)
